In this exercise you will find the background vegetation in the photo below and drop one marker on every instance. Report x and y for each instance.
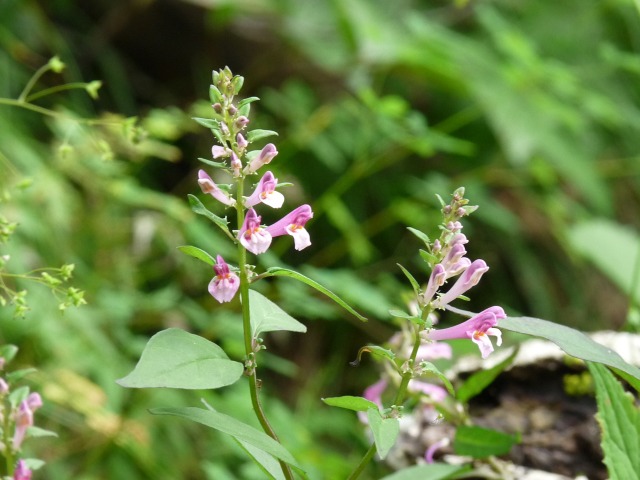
(533, 107)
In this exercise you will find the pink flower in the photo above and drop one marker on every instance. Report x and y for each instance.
(252, 236)
(468, 279)
(293, 224)
(208, 186)
(22, 471)
(24, 418)
(453, 256)
(477, 328)
(434, 392)
(236, 165)
(433, 351)
(265, 156)
(225, 284)
(428, 455)
(242, 142)
(436, 280)
(217, 151)
(266, 193)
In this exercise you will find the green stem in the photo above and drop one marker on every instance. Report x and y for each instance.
(248, 340)
(53, 113)
(32, 81)
(56, 89)
(363, 463)
(398, 401)
(8, 451)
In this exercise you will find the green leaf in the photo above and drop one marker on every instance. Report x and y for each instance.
(247, 100)
(616, 261)
(428, 367)
(358, 404)
(208, 122)
(212, 163)
(267, 463)
(214, 94)
(619, 420)
(421, 235)
(428, 257)
(477, 382)
(266, 316)
(237, 429)
(200, 209)
(244, 110)
(257, 134)
(196, 252)
(434, 471)
(376, 351)
(481, 442)
(385, 431)
(174, 358)
(285, 272)
(573, 342)
(412, 280)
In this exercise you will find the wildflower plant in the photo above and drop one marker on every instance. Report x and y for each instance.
(175, 358)
(18, 406)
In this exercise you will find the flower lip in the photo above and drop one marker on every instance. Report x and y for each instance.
(293, 224)
(477, 328)
(266, 193)
(225, 284)
(252, 236)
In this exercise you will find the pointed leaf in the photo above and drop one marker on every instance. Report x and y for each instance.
(422, 236)
(195, 252)
(477, 382)
(619, 420)
(434, 471)
(385, 431)
(212, 163)
(358, 404)
(266, 316)
(174, 358)
(231, 426)
(284, 272)
(242, 103)
(573, 342)
(267, 463)
(257, 134)
(208, 122)
(481, 442)
(200, 209)
(428, 367)
(412, 280)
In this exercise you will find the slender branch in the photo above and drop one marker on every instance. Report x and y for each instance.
(56, 89)
(32, 81)
(363, 463)
(53, 113)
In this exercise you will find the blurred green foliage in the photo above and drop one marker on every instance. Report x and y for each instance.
(532, 106)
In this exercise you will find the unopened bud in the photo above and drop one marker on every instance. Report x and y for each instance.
(242, 142)
(267, 154)
(217, 107)
(241, 121)
(232, 110)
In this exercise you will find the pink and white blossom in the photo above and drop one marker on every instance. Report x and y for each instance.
(436, 280)
(208, 186)
(218, 151)
(252, 235)
(469, 278)
(477, 329)
(293, 224)
(22, 471)
(225, 284)
(266, 193)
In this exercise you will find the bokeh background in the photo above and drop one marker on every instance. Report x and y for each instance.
(380, 105)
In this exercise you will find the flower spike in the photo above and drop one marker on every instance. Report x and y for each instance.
(225, 284)
(266, 193)
(208, 186)
(252, 236)
(293, 224)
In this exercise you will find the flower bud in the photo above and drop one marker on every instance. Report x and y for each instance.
(241, 122)
(267, 154)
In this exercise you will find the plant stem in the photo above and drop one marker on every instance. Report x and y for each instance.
(32, 81)
(250, 366)
(399, 400)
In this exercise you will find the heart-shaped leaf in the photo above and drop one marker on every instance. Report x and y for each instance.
(385, 431)
(174, 358)
(266, 316)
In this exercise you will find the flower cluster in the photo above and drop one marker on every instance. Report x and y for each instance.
(234, 157)
(449, 257)
(419, 342)
(17, 409)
